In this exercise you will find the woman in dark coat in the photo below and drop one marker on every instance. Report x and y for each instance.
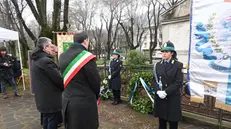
(168, 79)
(114, 76)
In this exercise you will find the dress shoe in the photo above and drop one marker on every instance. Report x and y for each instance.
(115, 103)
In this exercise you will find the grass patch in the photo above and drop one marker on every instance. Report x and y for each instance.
(101, 62)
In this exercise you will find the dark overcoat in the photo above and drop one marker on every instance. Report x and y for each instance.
(47, 82)
(81, 94)
(114, 70)
(172, 78)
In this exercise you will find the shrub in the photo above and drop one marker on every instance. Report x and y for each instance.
(135, 58)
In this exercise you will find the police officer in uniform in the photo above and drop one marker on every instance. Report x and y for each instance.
(114, 76)
(168, 79)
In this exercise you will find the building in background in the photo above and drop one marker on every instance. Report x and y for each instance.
(175, 26)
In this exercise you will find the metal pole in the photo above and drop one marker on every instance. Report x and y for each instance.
(20, 56)
(4, 43)
(220, 115)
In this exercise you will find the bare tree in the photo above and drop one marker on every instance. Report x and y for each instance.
(169, 3)
(133, 24)
(112, 20)
(12, 22)
(8, 22)
(155, 7)
(83, 12)
(39, 11)
(98, 36)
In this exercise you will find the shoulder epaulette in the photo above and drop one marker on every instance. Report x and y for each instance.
(173, 61)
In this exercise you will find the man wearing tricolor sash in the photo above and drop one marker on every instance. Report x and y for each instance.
(82, 85)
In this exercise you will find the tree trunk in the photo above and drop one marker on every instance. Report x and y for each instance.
(99, 49)
(108, 50)
(56, 15)
(12, 48)
(150, 56)
(65, 16)
(24, 54)
(46, 31)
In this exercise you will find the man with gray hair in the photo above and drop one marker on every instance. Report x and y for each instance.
(47, 83)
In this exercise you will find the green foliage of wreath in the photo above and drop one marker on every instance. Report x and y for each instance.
(141, 102)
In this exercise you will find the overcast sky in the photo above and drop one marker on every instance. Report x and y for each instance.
(28, 16)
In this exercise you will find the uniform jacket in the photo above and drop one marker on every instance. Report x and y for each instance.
(81, 94)
(114, 71)
(172, 80)
(46, 82)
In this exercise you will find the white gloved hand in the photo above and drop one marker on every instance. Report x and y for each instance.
(109, 76)
(6, 64)
(161, 94)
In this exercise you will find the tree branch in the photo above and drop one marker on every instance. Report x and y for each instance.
(162, 5)
(23, 6)
(19, 16)
(126, 34)
(34, 11)
(42, 10)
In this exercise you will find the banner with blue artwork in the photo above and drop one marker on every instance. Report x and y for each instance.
(210, 51)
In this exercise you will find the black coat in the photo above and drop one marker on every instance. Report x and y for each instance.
(17, 69)
(6, 72)
(172, 79)
(81, 94)
(46, 82)
(114, 71)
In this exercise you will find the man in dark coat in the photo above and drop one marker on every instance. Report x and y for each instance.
(168, 79)
(7, 73)
(82, 90)
(47, 83)
(114, 76)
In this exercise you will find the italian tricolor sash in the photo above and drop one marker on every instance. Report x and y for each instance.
(74, 67)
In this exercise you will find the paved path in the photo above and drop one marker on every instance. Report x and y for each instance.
(21, 113)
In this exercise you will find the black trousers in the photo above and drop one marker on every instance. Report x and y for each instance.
(116, 94)
(163, 124)
(59, 114)
(50, 120)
